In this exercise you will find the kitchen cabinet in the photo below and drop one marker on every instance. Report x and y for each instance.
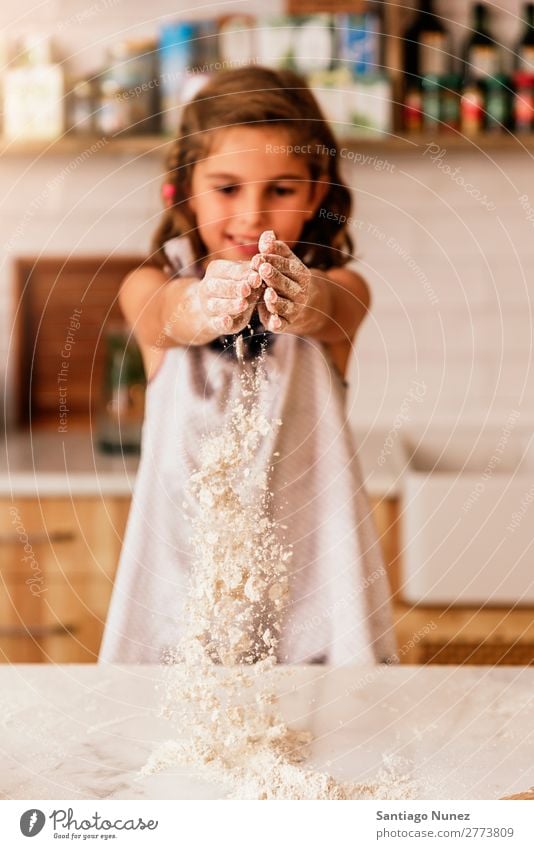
(453, 634)
(486, 636)
(53, 603)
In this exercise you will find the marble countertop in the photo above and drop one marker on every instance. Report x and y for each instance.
(45, 463)
(78, 732)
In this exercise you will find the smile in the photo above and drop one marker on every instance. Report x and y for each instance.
(246, 245)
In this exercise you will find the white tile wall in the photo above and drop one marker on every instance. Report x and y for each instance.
(452, 300)
(468, 336)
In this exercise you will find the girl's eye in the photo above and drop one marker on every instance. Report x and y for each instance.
(283, 191)
(226, 190)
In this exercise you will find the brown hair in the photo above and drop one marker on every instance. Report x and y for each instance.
(255, 95)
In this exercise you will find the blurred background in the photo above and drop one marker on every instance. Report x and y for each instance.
(433, 108)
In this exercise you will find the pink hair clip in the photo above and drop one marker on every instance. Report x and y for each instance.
(168, 192)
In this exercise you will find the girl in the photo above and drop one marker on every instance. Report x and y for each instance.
(252, 235)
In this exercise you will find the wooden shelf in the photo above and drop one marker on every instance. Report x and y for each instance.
(396, 16)
(75, 145)
(158, 145)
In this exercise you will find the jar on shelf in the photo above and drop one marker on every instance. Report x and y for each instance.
(112, 115)
(523, 101)
(497, 112)
(81, 107)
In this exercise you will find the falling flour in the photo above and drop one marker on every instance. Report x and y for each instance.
(221, 683)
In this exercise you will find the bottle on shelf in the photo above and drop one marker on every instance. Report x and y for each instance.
(524, 58)
(482, 55)
(524, 102)
(497, 104)
(450, 101)
(472, 107)
(431, 102)
(413, 109)
(426, 45)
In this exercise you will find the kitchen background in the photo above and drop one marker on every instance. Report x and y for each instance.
(444, 226)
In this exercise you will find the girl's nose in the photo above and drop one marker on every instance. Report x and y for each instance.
(252, 212)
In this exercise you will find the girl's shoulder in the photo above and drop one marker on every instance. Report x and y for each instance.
(180, 257)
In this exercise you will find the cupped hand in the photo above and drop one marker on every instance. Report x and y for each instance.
(226, 295)
(286, 283)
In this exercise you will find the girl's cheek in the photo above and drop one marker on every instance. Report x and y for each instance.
(219, 209)
(210, 214)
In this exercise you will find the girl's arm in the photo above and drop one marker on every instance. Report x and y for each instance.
(166, 313)
(339, 300)
(163, 313)
(346, 301)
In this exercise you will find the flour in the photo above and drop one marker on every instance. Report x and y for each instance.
(220, 687)
(239, 583)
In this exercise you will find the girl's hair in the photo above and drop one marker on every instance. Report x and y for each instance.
(256, 96)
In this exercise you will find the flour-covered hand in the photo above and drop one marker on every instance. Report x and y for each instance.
(286, 280)
(226, 296)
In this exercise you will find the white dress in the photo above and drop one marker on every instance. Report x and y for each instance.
(339, 610)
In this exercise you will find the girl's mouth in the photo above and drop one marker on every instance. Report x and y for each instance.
(246, 246)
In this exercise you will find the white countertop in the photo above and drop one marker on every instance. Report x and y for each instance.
(45, 463)
(78, 732)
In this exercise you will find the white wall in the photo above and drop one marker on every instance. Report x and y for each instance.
(452, 302)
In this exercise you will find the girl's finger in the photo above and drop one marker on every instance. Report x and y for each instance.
(254, 279)
(222, 324)
(281, 306)
(292, 268)
(226, 306)
(221, 288)
(270, 297)
(282, 252)
(232, 324)
(283, 285)
(268, 243)
(281, 249)
(274, 323)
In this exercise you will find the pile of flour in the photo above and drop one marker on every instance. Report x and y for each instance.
(219, 689)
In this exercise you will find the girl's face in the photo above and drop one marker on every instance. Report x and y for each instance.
(249, 183)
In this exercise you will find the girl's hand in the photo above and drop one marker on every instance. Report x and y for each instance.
(226, 295)
(287, 283)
